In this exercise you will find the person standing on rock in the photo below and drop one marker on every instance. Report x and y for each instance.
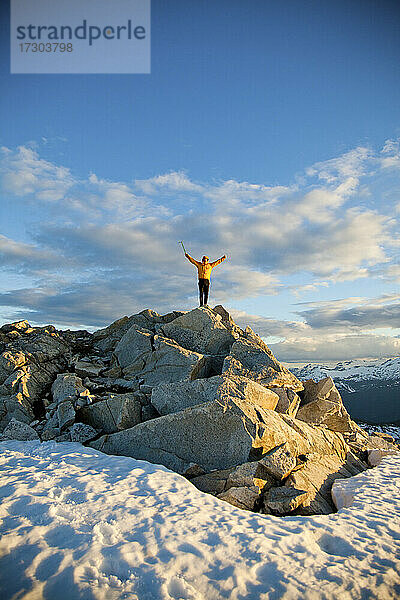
(204, 269)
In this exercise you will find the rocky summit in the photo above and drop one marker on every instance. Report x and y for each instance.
(191, 391)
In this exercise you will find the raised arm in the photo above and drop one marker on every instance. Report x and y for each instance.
(194, 262)
(219, 261)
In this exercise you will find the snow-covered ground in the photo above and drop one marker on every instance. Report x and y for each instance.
(77, 524)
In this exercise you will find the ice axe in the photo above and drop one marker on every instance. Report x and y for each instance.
(184, 249)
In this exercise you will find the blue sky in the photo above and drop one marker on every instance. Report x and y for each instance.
(268, 131)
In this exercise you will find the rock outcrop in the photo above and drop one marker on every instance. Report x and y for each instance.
(194, 392)
(30, 360)
(322, 405)
(202, 330)
(114, 413)
(251, 358)
(174, 397)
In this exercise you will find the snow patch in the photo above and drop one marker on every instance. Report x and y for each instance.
(76, 523)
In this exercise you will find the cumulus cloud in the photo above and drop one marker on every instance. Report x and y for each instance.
(390, 155)
(175, 181)
(352, 164)
(144, 242)
(393, 272)
(232, 194)
(116, 197)
(319, 204)
(299, 290)
(23, 256)
(235, 282)
(24, 173)
(32, 179)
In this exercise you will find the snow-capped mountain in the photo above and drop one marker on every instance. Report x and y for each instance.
(351, 370)
(370, 388)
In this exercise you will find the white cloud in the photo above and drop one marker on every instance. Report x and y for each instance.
(352, 164)
(232, 194)
(175, 181)
(393, 272)
(391, 154)
(116, 198)
(298, 290)
(25, 256)
(353, 314)
(319, 205)
(336, 347)
(25, 173)
(240, 282)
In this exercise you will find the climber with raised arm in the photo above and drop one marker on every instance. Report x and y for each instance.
(204, 269)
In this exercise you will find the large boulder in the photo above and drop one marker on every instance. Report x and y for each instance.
(170, 398)
(173, 397)
(223, 313)
(201, 330)
(279, 462)
(299, 438)
(65, 414)
(15, 326)
(29, 380)
(251, 474)
(51, 428)
(133, 348)
(214, 482)
(168, 362)
(288, 402)
(283, 500)
(16, 430)
(42, 345)
(107, 338)
(10, 360)
(16, 381)
(218, 435)
(114, 413)
(241, 497)
(251, 358)
(317, 477)
(87, 369)
(203, 434)
(322, 405)
(228, 322)
(15, 406)
(67, 386)
(82, 433)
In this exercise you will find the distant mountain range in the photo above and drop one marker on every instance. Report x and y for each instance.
(370, 388)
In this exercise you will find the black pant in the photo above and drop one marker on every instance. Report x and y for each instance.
(204, 285)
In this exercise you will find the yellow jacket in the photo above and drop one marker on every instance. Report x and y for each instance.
(204, 271)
